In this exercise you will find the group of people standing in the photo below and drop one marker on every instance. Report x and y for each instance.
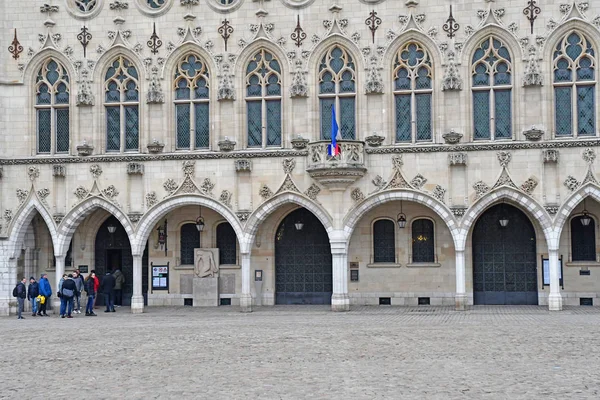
(70, 289)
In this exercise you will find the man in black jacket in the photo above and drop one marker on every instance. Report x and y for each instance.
(107, 287)
(32, 293)
(21, 295)
(68, 292)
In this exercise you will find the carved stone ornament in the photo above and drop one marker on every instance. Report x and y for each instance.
(379, 182)
(243, 165)
(135, 217)
(288, 165)
(550, 156)
(533, 73)
(225, 198)
(85, 149)
(481, 188)
(504, 180)
(357, 195)
(135, 168)
(265, 192)
(43, 194)
(170, 186)
(243, 215)
(155, 94)
(22, 195)
(207, 187)
(59, 171)
(451, 79)
(110, 192)
(189, 168)
(33, 172)
(81, 192)
(155, 147)
(85, 97)
(299, 143)
(589, 177)
(374, 140)
(552, 209)
(571, 183)
(58, 217)
(288, 185)
(95, 170)
(418, 181)
(504, 158)
(397, 162)
(227, 144)
(439, 193)
(458, 211)
(457, 159)
(312, 192)
(8, 215)
(529, 185)
(225, 90)
(374, 84)
(1, 171)
(533, 134)
(452, 137)
(119, 5)
(151, 199)
(588, 155)
(299, 87)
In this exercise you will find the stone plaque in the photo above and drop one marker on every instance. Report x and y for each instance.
(186, 283)
(206, 292)
(227, 284)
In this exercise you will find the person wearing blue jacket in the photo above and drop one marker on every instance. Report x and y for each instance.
(46, 291)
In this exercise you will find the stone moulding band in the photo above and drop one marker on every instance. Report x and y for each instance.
(151, 157)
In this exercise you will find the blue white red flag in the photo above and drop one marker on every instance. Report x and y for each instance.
(333, 149)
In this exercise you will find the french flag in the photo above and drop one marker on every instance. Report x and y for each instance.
(333, 149)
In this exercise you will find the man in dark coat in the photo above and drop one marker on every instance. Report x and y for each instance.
(107, 287)
(32, 294)
(21, 295)
(68, 291)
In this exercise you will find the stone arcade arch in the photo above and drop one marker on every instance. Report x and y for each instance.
(565, 211)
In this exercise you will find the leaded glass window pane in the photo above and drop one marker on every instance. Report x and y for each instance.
(182, 112)
(585, 111)
(202, 126)
(503, 114)
(403, 118)
(325, 106)
(132, 133)
(227, 244)
(422, 241)
(274, 123)
(254, 123)
(384, 241)
(155, 4)
(113, 129)
(423, 116)
(189, 240)
(574, 83)
(583, 240)
(563, 110)
(85, 5)
(62, 130)
(44, 122)
(347, 118)
(481, 114)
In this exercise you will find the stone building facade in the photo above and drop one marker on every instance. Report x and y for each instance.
(468, 133)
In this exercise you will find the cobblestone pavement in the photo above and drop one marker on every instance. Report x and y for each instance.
(298, 352)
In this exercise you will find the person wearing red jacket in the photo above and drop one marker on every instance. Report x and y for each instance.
(96, 285)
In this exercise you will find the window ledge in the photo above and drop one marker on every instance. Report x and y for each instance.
(229, 266)
(184, 267)
(384, 265)
(423, 265)
(580, 264)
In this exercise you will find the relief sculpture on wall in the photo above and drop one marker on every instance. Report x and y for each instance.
(204, 264)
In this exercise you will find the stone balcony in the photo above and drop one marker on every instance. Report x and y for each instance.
(339, 172)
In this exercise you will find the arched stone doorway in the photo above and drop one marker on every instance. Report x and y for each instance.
(303, 266)
(112, 251)
(504, 258)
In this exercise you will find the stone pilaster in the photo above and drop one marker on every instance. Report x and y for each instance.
(461, 295)
(137, 300)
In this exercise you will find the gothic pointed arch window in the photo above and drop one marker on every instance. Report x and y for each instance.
(423, 248)
(337, 88)
(263, 100)
(192, 88)
(227, 244)
(384, 241)
(491, 71)
(583, 240)
(189, 239)
(574, 81)
(52, 108)
(121, 103)
(413, 90)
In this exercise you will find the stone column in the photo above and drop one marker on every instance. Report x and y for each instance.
(60, 270)
(339, 255)
(8, 279)
(137, 299)
(554, 298)
(246, 299)
(461, 293)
